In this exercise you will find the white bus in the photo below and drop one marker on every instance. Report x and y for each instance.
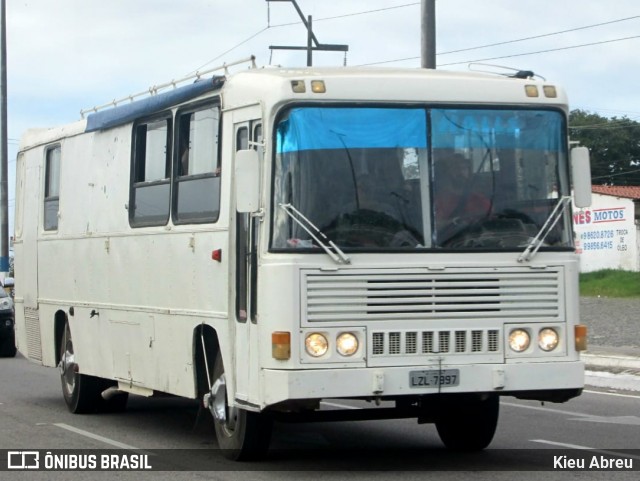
(271, 239)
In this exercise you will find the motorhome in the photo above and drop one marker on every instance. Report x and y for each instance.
(272, 239)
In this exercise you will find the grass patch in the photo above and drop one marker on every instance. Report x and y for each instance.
(610, 283)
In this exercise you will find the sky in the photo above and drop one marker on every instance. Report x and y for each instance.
(68, 55)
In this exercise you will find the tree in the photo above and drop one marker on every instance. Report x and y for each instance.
(614, 144)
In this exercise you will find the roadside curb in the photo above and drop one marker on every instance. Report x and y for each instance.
(612, 371)
(611, 362)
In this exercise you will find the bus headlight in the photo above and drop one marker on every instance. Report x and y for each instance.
(519, 340)
(347, 344)
(547, 339)
(316, 344)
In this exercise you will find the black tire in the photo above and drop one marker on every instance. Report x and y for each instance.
(469, 424)
(8, 346)
(82, 393)
(247, 437)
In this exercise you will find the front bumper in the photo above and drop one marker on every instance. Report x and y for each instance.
(393, 382)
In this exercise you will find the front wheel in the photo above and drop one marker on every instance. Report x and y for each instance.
(242, 435)
(469, 424)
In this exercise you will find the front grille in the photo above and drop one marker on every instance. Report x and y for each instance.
(414, 343)
(453, 294)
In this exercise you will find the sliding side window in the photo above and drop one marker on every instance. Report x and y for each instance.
(150, 171)
(196, 196)
(52, 187)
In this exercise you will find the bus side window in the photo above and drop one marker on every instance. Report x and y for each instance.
(196, 193)
(52, 187)
(150, 170)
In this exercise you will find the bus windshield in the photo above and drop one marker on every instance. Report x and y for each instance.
(410, 177)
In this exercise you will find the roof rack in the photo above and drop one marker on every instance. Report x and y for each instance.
(173, 83)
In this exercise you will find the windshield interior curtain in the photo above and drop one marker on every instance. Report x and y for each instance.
(338, 128)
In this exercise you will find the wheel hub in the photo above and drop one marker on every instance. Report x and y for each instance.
(222, 413)
(68, 367)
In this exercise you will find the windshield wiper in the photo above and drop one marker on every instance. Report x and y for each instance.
(544, 231)
(338, 256)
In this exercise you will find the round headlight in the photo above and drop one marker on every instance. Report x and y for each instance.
(316, 344)
(519, 340)
(547, 339)
(347, 344)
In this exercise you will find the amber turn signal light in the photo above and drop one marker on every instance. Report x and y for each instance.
(281, 345)
(581, 337)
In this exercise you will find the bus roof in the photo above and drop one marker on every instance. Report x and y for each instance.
(359, 84)
(273, 86)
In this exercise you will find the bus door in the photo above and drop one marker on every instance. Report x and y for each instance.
(247, 227)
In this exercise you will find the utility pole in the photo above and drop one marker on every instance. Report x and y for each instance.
(4, 204)
(312, 42)
(428, 50)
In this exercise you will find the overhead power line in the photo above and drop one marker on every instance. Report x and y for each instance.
(259, 32)
(534, 37)
(602, 42)
(557, 49)
(627, 172)
(229, 50)
(354, 14)
(507, 42)
(613, 124)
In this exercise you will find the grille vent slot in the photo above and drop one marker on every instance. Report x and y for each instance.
(409, 343)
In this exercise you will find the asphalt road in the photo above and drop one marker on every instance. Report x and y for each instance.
(33, 416)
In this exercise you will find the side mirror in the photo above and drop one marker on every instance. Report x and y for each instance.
(581, 173)
(247, 181)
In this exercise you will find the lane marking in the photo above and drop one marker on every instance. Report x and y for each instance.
(548, 410)
(576, 446)
(637, 396)
(97, 437)
(582, 417)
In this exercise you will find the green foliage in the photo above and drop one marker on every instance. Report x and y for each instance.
(610, 283)
(614, 144)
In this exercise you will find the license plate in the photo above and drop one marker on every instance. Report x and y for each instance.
(434, 378)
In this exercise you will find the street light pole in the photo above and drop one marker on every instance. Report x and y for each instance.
(428, 50)
(4, 205)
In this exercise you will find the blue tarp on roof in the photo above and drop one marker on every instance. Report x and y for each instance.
(129, 112)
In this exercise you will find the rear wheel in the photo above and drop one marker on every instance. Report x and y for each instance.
(242, 435)
(82, 393)
(469, 424)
